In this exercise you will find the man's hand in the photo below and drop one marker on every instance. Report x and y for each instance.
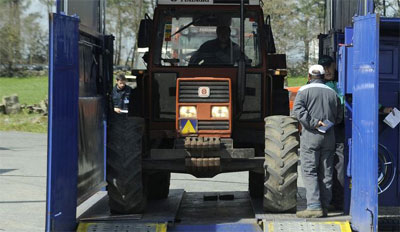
(117, 110)
(320, 123)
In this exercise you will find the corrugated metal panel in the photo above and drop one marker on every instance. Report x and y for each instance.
(62, 165)
(90, 13)
(364, 198)
(343, 13)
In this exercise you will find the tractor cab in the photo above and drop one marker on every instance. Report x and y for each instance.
(203, 70)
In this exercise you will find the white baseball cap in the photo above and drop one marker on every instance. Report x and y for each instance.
(316, 70)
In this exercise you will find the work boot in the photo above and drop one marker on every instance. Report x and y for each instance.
(310, 213)
(330, 208)
(326, 209)
(325, 212)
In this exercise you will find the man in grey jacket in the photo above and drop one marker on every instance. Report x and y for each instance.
(314, 103)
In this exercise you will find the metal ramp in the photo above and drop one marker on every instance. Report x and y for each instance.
(207, 211)
(158, 215)
(287, 222)
(307, 226)
(125, 226)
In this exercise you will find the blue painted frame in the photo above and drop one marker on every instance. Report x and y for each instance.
(364, 168)
(62, 165)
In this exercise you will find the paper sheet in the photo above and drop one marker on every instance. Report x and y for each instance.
(393, 118)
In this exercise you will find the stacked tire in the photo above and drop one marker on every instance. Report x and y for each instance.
(126, 189)
(281, 159)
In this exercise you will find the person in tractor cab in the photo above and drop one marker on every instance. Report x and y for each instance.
(219, 51)
(120, 95)
(316, 103)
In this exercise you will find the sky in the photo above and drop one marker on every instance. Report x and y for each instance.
(36, 6)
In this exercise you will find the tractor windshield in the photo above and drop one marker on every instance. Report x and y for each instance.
(209, 38)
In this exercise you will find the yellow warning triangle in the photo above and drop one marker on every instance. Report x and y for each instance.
(188, 128)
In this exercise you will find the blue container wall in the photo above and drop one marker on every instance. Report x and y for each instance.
(389, 188)
(389, 96)
(62, 168)
(364, 194)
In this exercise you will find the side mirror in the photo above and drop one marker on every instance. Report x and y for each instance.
(145, 31)
(269, 36)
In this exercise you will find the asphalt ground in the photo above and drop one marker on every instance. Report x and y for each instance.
(23, 169)
(22, 181)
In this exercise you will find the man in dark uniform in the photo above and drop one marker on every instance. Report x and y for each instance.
(121, 94)
(314, 103)
(219, 51)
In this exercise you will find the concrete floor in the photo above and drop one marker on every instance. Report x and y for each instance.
(23, 181)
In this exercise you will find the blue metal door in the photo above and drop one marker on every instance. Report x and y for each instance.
(364, 197)
(62, 165)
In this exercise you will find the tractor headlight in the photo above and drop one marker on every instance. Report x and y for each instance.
(219, 112)
(187, 112)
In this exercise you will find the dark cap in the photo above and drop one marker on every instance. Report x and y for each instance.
(325, 60)
(121, 77)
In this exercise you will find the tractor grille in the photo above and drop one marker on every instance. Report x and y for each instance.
(213, 125)
(188, 91)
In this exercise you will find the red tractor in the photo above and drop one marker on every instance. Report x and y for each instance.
(201, 111)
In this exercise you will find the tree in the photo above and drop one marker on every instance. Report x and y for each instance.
(295, 23)
(49, 4)
(123, 18)
(281, 14)
(387, 8)
(34, 39)
(309, 23)
(10, 33)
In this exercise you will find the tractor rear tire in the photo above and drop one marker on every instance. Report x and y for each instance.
(158, 185)
(281, 158)
(124, 165)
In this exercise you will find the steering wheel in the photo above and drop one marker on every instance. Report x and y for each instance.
(209, 58)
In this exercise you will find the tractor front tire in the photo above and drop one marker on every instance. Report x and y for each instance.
(281, 158)
(124, 165)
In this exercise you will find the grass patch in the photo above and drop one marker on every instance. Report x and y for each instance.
(30, 90)
(23, 122)
(297, 81)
